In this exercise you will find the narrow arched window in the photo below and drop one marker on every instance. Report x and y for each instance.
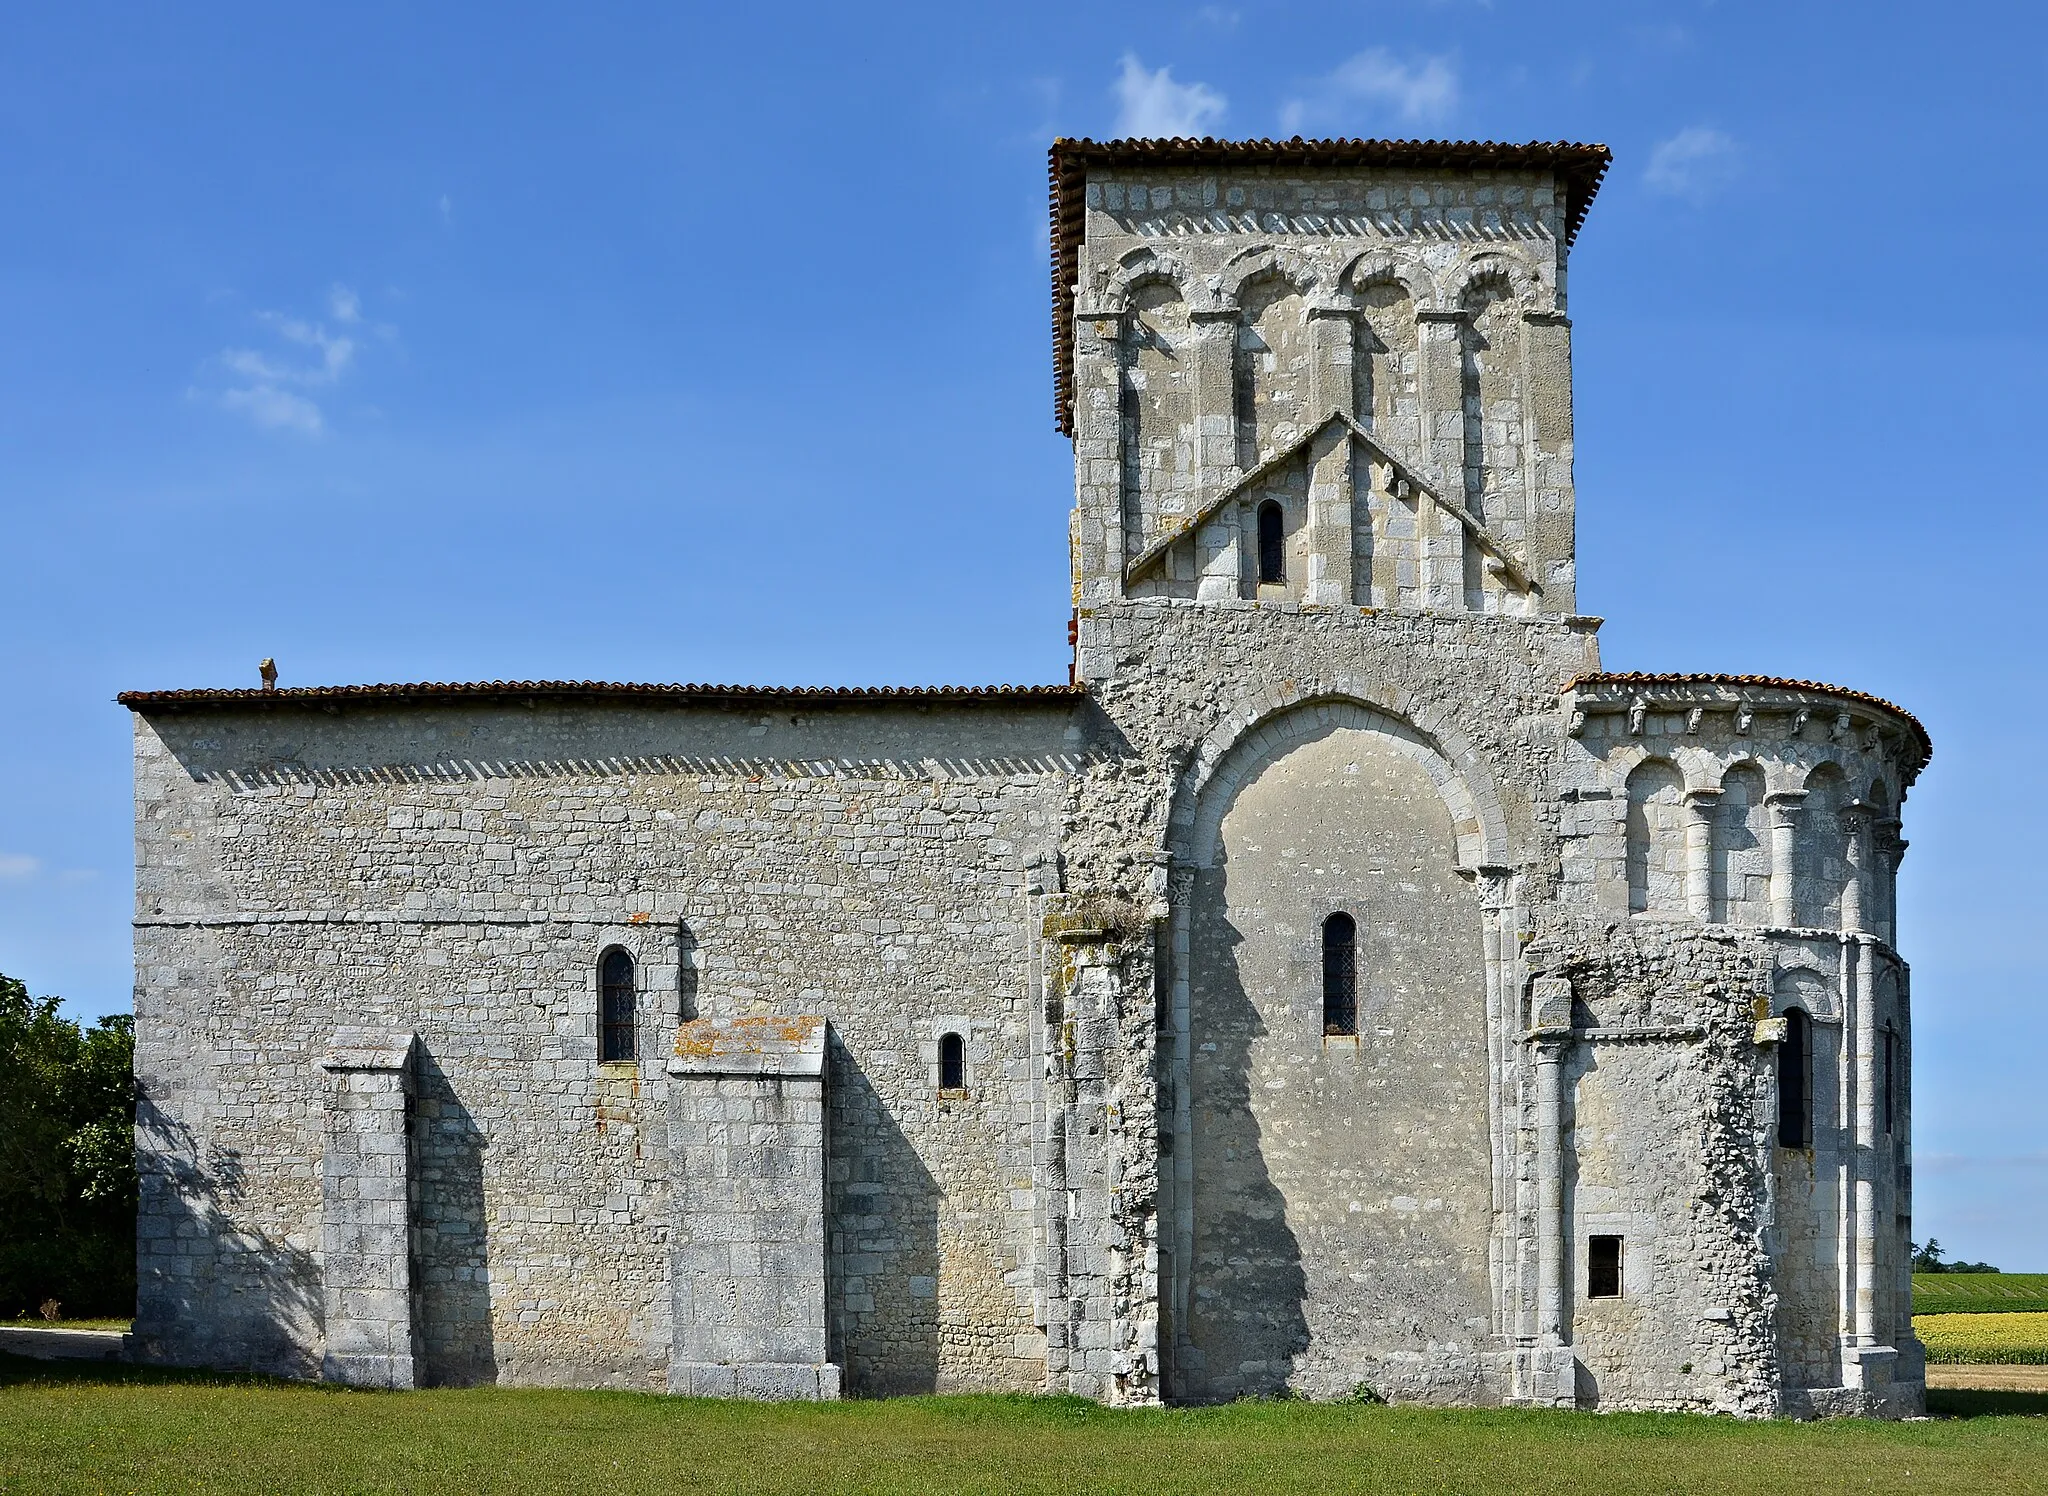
(1340, 975)
(615, 1007)
(952, 1063)
(1272, 543)
(1795, 1081)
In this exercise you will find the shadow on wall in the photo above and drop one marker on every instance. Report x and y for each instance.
(451, 1269)
(210, 1289)
(1246, 1323)
(882, 1248)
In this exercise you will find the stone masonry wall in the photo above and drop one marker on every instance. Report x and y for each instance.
(458, 872)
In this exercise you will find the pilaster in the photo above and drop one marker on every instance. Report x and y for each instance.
(366, 1210)
(1440, 335)
(747, 1242)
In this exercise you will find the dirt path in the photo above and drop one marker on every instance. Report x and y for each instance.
(63, 1345)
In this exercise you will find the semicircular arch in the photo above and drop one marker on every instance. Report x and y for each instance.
(1243, 746)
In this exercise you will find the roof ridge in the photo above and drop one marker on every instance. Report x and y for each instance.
(236, 695)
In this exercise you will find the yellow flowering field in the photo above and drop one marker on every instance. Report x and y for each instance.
(1984, 1339)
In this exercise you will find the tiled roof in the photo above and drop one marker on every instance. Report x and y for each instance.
(586, 690)
(1578, 168)
(1626, 679)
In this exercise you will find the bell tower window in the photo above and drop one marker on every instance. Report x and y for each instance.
(1272, 543)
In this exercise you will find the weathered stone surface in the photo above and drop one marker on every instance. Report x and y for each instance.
(1593, 916)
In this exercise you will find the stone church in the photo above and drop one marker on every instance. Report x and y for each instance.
(1340, 983)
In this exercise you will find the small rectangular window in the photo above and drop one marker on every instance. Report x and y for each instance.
(1603, 1267)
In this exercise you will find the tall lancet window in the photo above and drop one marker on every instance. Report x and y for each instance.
(1272, 543)
(1795, 1081)
(1340, 975)
(615, 1007)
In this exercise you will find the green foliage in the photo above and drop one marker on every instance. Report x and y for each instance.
(67, 1159)
(1927, 1259)
(1980, 1293)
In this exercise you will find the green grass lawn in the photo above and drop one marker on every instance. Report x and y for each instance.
(65, 1324)
(96, 1428)
(1980, 1293)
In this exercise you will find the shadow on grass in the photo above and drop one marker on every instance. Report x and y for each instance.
(28, 1371)
(1960, 1402)
(1011, 1408)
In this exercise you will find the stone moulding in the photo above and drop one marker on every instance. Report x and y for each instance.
(769, 1045)
(1742, 696)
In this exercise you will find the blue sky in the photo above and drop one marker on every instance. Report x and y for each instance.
(710, 343)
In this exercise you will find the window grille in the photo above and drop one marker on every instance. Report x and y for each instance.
(1340, 975)
(1603, 1267)
(615, 1026)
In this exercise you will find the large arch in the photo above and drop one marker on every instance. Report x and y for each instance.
(1286, 716)
(1337, 1186)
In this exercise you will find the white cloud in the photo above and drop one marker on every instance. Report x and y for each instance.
(447, 211)
(1693, 164)
(268, 386)
(1413, 93)
(275, 409)
(1152, 104)
(15, 866)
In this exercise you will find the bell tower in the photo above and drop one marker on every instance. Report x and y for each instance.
(1329, 373)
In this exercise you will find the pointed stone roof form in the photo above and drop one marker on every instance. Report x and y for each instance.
(1578, 168)
(1404, 470)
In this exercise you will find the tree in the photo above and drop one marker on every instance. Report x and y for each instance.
(67, 1158)
(1927, 1259)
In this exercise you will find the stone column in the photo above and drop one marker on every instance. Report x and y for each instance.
(1867, 1363)
(747, 1241)
(1784, 811)
(365, 1210)
(1855, 832)
(1550, 1021)
(1865, 1153)
(1699, 852)
(1891, 851)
